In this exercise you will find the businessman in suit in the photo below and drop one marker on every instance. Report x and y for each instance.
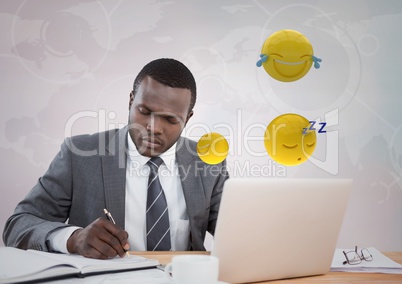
(64, 210)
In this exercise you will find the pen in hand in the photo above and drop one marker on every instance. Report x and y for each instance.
(110, 218)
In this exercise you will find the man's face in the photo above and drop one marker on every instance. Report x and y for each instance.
(158, 114)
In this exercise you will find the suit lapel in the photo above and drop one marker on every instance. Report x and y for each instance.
(190, 174)
(114, 176)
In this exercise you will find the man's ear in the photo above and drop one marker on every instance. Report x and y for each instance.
(130, 102)
(189, 115)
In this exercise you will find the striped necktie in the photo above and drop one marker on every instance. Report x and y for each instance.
(157, 215)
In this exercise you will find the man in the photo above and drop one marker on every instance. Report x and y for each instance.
(112, 170)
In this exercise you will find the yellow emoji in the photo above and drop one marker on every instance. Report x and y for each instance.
(287, 56)
(288, 139)
(212, 148)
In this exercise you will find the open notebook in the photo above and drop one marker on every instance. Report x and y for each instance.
(22, 266)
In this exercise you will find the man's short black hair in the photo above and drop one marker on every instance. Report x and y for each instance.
(169, 72)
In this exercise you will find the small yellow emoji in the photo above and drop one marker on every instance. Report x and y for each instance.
(212, 148)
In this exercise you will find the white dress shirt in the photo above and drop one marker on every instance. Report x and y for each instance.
(137, 173)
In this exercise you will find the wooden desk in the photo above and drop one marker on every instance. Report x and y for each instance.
(330, 277)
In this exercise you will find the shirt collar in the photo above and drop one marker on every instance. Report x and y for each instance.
(168, 157)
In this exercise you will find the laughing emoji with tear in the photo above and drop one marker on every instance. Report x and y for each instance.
(287, 56)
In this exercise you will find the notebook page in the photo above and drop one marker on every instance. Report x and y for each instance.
(17, 264)
(90, 265)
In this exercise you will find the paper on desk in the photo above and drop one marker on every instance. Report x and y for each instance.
(379, 264)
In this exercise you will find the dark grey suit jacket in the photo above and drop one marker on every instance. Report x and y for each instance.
(89, 174)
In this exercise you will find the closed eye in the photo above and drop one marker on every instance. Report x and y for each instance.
(306, 55)
(144, 110)
(310, 145)
(277, 54)
(290, 147)
(172, 119)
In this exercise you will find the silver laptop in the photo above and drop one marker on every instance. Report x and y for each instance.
(278, 228)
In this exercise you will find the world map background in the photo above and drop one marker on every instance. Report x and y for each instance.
(63, 60)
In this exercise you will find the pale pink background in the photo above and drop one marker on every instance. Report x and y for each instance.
(67, 67)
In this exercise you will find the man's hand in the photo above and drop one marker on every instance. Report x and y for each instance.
(100, 239)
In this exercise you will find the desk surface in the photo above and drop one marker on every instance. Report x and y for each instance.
(330, 277)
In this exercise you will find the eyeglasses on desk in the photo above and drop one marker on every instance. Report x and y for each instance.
(354, 257)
